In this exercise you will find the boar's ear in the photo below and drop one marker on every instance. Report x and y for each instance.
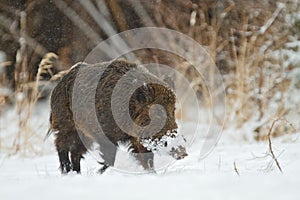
(169, 81)
(144, 94)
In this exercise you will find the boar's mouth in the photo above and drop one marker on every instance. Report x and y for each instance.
(156, 144)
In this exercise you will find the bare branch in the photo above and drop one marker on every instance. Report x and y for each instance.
(270, 145)
(32, 43)
(264, 28)
(142, 13)
(76, 19)
(235, 169)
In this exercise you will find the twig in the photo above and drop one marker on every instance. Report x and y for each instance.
(270, 145)
(32, 43)
(117, 44)
(142, 13)
(235, 169)
(6, 64)
(264, 28)
(99, 18)
(78, 21)
(117, 14)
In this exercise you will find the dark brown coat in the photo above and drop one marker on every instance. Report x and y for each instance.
(69, 135)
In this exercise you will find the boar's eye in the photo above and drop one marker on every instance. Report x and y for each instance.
(140, 97)
(145, 121)
(144, 94)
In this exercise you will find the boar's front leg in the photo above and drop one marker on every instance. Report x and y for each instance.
(144, 156)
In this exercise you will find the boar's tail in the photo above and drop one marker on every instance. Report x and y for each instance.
(49, 132)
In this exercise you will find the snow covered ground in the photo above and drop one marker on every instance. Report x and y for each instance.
(214, 177)
(211, 178)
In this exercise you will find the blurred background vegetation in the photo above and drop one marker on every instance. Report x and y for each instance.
(254, 44)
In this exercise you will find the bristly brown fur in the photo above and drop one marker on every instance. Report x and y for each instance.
(62, 123)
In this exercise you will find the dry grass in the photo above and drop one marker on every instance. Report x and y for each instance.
(243, 51)
(254, 76)
(239, 36)
(24, 97)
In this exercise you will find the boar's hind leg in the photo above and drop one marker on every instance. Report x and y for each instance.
(108, 152)
(63, 143)
(63, 152)
(65, 164)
